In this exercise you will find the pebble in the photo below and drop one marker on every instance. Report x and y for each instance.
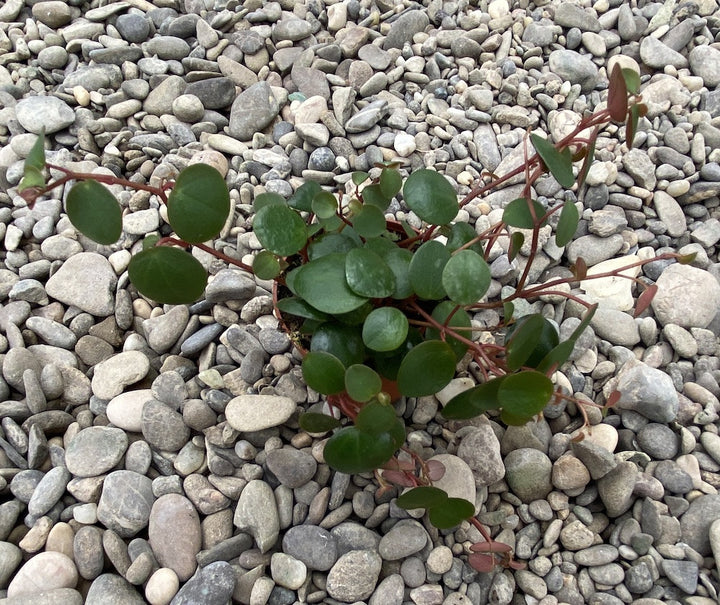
(528, 473)
(248, 413)
(354, 576)
(125, 502)
(45, 571)
(175, 534)
(701, 295)
(87, 281)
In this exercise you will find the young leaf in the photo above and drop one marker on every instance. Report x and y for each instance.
(589, 157)
(645, 299)
(632, 80)
(517, 240)
(686, 259)
(617, 94)
(466, 277)
(631, 125)
(32, 177)
(580, 268)
(390, 182)
(451, 513)
(344, 342)
(322, 284)
(302, 198)
(358, 178)
(198, 204)
(352, 451)
(422, 497)
(490, 547)
(375, 418)
(426, 269)
(426, 369)
(559, 164)
(517, 213)
(430, 195)
(525, 394)
(167, 275)
(481, 562)
(280, 229)
(373, 196)
(474, 401)
(95, 212)
(385, 329)
(567, 225)
(266, 265)
(323, 372)
(369, 222)
(317, 423)
(367, 274)
(324, 205)
(523, 340)
(36, 157)
(362, 383)
(508, 311)
(459, 319)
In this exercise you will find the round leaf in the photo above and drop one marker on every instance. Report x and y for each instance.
(199, 204)
(525, 394)
(390, 181)
(94, 212)
(303, 197)
(328, 243)
(344, 342)
(385, 329)
(398, 260)
(352, 451)
(426, 268)
(422, 497)
(523, 340)
(266, 265)
(323, 372)
(368, 275)
(474, 401)
(466, 277)
(322, 284)
(451, 513)
(558, 163)
(362, 383)
(373, 195)
(430, 195)
(297, 306)
(459, 235)
(459, 319)
(36, 157)
(317, 423)
(517, 213)
(375, 418)
(369, 222)
(267, 199)
(167, 275)
(426, 369)
(324, 205)
(280, 229)
(358, 178)
(567, 225)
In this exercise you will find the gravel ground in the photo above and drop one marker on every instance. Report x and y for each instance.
(151, 454)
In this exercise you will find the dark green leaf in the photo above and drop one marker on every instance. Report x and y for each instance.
(548, 340)
(317, 423)
(150, 241)
(517, 213)
(525, 394)
(560, 354)
(466, 277)
(355, 317)
(36, 157)
(517, 240)
(380, 245)
(324, 205)
(617, 94)
(352, 451)
(199, 204)
(422, 497)
(459, 319)
(375, 418)
(632, 80)
(426, 369)
(367, 274)
(344, 342)
(280, 229)
(398, 260)
(431, 196)
(323, 372)
(426, 268)
(523, 340)
(362, 383)
(266, 265)
(508, 311)
(474, 401)
(167, 275)
(559, 164)
(385, 329)
(459, 235)
(297, 306)
(569, 219)
(390, 182)
(373, 195)
(358, 178)
(397, 433)
(95, 212)
(451, 513)
(369, 222)
(322, 284)
(303, 197)
(514, 419)
(32, 177)
(329, 243)
(268, 199)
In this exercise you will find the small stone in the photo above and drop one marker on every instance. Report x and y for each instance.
(354, 576)
(684, 574)
(697, 305)
(174, 534)
(125, 410)
(287, 571)
(647, 391)
(257, 514)
(313, 545)
(45, 571)
(125, 502)
(616, 488)
(252, 110)
(248, 413)
(36, 112)
(292, 467)
(528, 474)
(95, 450)
(87, 281)
(480, 449)
(163, 427)
(111, 589)
(576, 536)
(574, 67)
(162, 587)
(404, 539)
(695, 523)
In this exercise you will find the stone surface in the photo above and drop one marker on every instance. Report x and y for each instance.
(174, 534)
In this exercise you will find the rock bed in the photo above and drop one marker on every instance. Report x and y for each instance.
(151, 454)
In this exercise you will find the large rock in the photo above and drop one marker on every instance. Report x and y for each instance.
(686, 296)
(252, 111)
(175, 534)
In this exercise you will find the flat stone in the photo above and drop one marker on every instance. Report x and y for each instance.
(48, 491)
(125, 502)
(36, 112)
(174, 534)
(44, 571)
(163, 427)
(405, 538)
(125, 410)
(211, 585)
(87, 281)
(696, 521)
(616, 488)
(314, 546)
(111, 589)
(528, 474)
(257, 514)
(354, 576)
(480, 448)
(687, 296)
(252, 111)
(248, 413)
(114, 374)
(292, 467)
(647, 391)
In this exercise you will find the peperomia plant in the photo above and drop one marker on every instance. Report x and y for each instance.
(378, 308)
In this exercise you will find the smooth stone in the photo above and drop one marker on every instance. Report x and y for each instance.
(313, 545)
(458, 480)
(354, 576)
(405, 538)
(248, 413)
(175, 535)
(211, 585)
(114, 374)
(405, 27)
(44, 571)
(528, 473)
(287, 571)
(257, 514)
(612, 292)
(574, 67)
(111, 589)
(51, 113)
(125, 410)
(87, 281)
(125, 502)
(48, 491)
(252, 111)
(10, 558)
(616, 488)
(480, 449)
(163, 427)
(696, 522)
(647, 391)
(686, 296)
(162, 587)
(292, 467)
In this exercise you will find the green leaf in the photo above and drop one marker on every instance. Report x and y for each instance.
(459, 319)
(298, 307)
(376, 418)
(548, 340)
(426, 369)
(631, 125)
(559, 164)
(367, 274)
(560, 354)
(567, 225)
(523, 340)
(474, 401)
(266, 265)
(426, 268)
(303, 196)
(589, 157)
(344, 342)
(95, 212)
(369, 222)
(517, 240)
(358, 178)
(324, 205)
(317, 423)
(617, 94)
(150, 241)
(373, 195)
(466, 277)
(517, 213)
(451, 513)
(36, 157)
(352, 451)
(390, 182)
(459, 235)
(385, 329)
(422, 497)
(508, 311)
(431, 196)
(329, 243)
(525, 394)
(280, 229)
(322, 284)
(167, 275)
(355, 317)
(323, 372)
(199, 204)
(268, 199)
(362, 383)
(399, 260)
(32, 177)
(632, 80)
